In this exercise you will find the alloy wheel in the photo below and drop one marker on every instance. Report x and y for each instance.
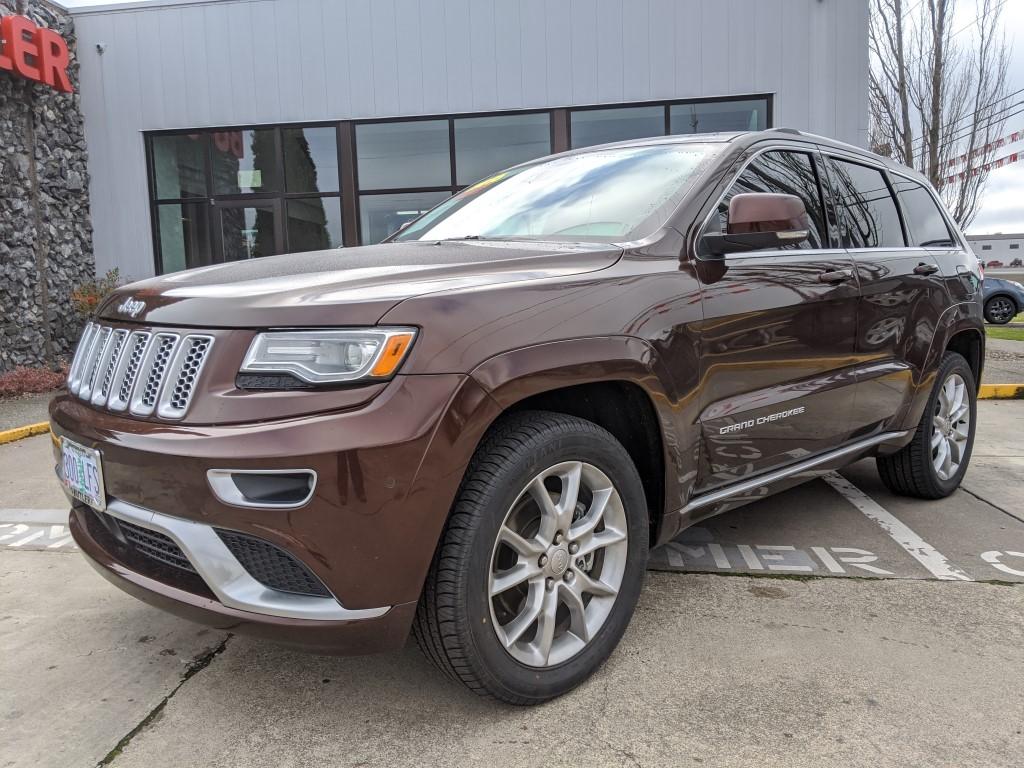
(557, 564)
(1001, 310)
(951, 427)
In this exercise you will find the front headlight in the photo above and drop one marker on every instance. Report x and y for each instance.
(330, 357)
(1014, 282)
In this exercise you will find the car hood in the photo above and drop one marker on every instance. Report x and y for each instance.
(346, 286)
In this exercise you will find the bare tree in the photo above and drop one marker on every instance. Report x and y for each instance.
(938, 95)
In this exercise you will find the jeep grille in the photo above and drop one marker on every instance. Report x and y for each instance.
(141, 372)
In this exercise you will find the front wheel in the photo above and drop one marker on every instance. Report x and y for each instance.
(932, 465)
(541, 562)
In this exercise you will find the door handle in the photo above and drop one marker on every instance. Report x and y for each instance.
(835, 276)
(925, 269)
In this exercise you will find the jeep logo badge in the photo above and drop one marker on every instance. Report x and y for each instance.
(131, 307)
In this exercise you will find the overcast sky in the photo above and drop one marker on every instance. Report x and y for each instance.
(1002, 207)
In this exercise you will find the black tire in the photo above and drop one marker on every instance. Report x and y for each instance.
(910, 471)
(999, 310)
(453, 625)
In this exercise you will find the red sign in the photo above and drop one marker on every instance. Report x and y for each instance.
(35, 53)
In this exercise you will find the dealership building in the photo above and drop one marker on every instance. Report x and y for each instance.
(228, 129)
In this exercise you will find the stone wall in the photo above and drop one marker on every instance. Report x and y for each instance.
(38, 325)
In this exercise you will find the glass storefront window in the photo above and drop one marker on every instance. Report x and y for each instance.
(383, 215)
(179, 166)
(234, 193)
(245, 161)
(405, 154)
(313, 223)
(484, 145)
(248, 232)
(310, 159)
(709, 117)
(184, 235)
(601, 126)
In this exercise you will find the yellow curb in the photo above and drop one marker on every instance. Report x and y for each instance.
(1001, 392)
(10, 435)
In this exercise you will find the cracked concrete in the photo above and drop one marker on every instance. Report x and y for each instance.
(721, 671)
(81, 662)
(197, 665)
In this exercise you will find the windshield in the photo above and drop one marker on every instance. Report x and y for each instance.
(613, 194)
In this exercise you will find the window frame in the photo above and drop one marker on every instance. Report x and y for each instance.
(666, 104)
(349, 193)
(212, 199)
(451, 188)
(826, 200)
(829, 156)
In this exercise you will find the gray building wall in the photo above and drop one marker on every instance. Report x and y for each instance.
(45, 236)
(1004, 248)
(236, 62)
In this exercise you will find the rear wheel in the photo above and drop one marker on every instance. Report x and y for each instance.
(932, 465)
(541, 563)
(1000, 310)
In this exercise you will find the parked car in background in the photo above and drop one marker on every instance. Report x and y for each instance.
(475, 430)
(1016, 263)
(1004, 300)
(994, 264)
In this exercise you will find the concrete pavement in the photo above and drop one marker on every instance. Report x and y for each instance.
(1004, 362)
(27, 409)
(774, 665)
(82, 663)
(713, 671)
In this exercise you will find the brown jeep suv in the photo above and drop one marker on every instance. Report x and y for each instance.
(476, 429)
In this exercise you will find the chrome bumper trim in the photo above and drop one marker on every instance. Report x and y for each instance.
(226, 577)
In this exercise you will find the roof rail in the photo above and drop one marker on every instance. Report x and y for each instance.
(786, 130)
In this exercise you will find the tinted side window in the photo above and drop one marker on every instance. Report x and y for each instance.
(790, 173)
(924, 219)
(868, 214)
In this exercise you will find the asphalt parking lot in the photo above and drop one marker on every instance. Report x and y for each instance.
(832, 624)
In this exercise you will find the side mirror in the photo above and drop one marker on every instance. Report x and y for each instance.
(760, 221)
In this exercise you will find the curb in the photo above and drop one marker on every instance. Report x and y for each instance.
(1001, 392)
(10, 435)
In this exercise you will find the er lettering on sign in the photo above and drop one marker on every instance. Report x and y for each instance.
(35, 53)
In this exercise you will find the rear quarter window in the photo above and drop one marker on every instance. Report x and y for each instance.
(927, 226)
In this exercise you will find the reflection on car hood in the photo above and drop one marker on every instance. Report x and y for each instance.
(350, 286)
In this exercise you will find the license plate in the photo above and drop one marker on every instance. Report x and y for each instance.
(82, 473)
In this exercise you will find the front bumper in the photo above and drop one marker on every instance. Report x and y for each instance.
(388, 631)
(387, 474)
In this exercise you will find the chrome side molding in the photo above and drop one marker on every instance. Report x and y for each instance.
(744, 486)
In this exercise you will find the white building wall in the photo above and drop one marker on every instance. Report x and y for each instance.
(1004, 248)
(236, 62)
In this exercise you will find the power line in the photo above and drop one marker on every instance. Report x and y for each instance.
(980, 127)
(977, 18)
(920, 142)
(985, 122)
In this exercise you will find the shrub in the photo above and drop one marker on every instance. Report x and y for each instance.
(22, 381)
(89, 295)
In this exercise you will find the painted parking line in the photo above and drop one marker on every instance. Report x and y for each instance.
(34, 536)
(933, 560)
(852, 527)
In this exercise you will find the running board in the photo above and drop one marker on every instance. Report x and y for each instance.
(714, 497)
